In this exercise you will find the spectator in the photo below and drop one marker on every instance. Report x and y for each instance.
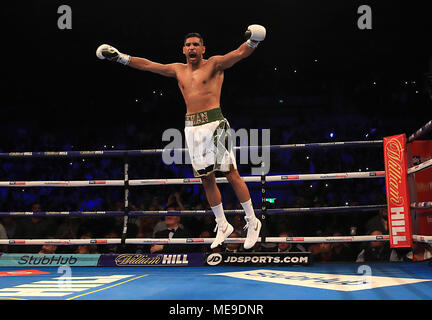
(87, 249)
(145, 223)
(10, 225)
(110, 248)
(34, 227)
(331, 251)
(175, 201)
(375, 250)
(3, 235)
(154, 204)
(161, 225)
(68, 229)
(145, 231)
(321, 252)
(233, 247)
(173, 230)
(238, 222)
(342, 251)
(378, 223)
(48, 249)
(288, 247)
(205, 248)
(419, 252)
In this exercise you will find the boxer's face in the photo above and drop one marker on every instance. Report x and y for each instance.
(193, 50)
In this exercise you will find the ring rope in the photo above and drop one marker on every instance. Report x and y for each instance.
(190, 212)
(121, 153)
(420, 238)
(420, 166)
(421, 132)
(422, 205)
(187, 241)
(140, 182)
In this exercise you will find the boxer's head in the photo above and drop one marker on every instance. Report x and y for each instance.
(193, 47)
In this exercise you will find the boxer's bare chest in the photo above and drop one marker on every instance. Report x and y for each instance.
(205, 78)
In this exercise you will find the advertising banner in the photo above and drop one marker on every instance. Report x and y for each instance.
(48, 260)
(258, 258)
(398, 202)
(151, 260)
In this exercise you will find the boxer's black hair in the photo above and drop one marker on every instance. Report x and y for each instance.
(193, 35)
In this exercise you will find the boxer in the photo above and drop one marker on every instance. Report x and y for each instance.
(200, 82)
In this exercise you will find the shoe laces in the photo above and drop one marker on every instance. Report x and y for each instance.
(249, 223)
(217, 226)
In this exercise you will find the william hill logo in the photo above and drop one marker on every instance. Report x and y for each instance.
(151, 259)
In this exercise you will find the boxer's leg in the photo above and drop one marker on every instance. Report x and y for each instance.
(211, 189)
(224, 229)
(241, 190)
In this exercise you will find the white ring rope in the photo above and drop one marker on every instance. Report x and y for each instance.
(187, 241)
(147, 182)
(420, 166)
(423, 239)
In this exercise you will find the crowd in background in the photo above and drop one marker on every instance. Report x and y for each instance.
(315, 102)
(190, 197)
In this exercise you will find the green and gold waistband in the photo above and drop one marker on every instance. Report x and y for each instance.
(200, 118)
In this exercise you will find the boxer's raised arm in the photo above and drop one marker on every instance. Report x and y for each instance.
(112, 54)
(167, 70)
(255, 34)
(228, 60)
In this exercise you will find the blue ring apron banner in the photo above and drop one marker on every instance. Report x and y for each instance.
(48, 260)
(151, 260)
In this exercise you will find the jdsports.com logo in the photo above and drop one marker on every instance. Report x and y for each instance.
(214, 259)
(258, 258)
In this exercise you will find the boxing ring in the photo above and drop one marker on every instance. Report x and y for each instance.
(269, 282)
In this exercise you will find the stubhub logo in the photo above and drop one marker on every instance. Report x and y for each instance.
(340, 282)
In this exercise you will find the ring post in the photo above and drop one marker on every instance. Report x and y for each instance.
(398, 199)
(263, 204)
(126, 199)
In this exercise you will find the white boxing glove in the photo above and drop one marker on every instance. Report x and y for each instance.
(255, 34)
(110, 53)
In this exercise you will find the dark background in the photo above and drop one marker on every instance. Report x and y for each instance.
(315, 74)
(55, 82)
